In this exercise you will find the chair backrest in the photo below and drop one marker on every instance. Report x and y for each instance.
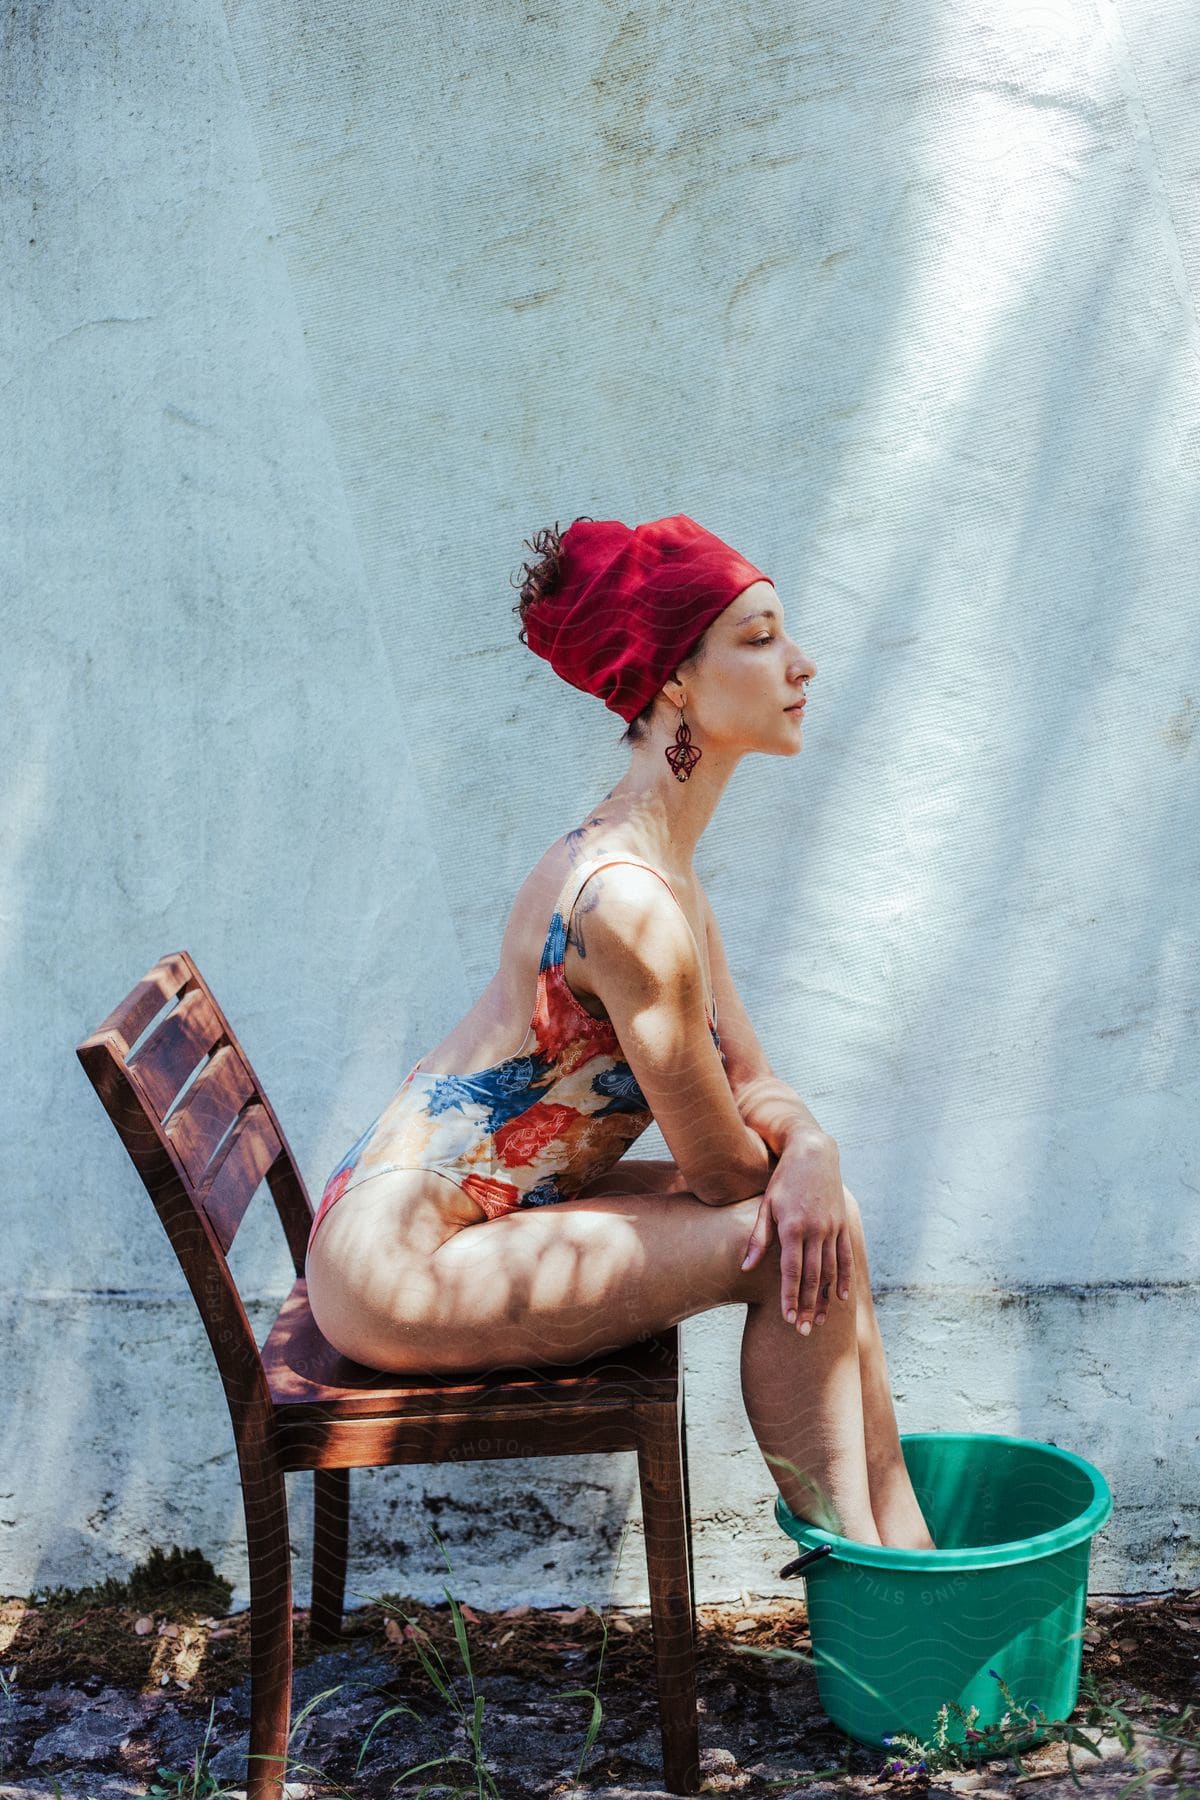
(202, 1135)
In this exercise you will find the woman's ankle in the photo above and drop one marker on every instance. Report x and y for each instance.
(902, 1525)
(904, 1534)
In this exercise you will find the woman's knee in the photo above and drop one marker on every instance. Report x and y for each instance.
(763, 1280)
(858, 1244)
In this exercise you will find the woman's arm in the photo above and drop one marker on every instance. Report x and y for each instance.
(645, 966)
(804, 1201)
(778, 1114)
(767, 1104)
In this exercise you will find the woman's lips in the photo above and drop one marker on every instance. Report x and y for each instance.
(799, 706)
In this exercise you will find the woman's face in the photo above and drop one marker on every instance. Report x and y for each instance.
(749, 676)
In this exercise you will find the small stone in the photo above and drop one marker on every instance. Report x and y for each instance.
(87, 1738)
(229, 1763)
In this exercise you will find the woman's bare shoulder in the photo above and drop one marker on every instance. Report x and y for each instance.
(543, 885)
(581, 845)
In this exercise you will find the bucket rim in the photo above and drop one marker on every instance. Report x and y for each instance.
(982, 1556)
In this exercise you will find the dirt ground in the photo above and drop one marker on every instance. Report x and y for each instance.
(102, 1690)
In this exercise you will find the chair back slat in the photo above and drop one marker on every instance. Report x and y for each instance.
(202, 1120)
(129, 1019)
(252, 1147)
(180, 1069)
(175, 1048)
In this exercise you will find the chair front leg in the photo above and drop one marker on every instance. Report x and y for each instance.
(269, 1552)
(331, 1532)
(660, 1468)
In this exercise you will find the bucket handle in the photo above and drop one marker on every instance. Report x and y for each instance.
(802, 1562)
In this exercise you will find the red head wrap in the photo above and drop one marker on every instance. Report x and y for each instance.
(630, 605)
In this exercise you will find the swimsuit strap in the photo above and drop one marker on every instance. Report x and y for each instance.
(583, 872)
(576, 879)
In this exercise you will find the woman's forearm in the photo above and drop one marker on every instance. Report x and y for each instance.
(776, 1112)
(747, 1176)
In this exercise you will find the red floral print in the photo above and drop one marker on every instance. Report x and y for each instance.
(521, 1140)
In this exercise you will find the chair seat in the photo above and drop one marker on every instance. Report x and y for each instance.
(313, 1385)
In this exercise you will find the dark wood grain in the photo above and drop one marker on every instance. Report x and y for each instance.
(233, 1178)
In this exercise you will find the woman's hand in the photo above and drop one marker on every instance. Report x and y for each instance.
(805, 1202)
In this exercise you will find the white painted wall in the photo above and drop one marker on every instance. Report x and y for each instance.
(312, 314)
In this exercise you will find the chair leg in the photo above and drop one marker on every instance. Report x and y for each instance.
(687, 1505)
(331, 1531)
(660, 1469)
(269, 1552)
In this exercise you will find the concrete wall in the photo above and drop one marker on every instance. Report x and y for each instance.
(313, 312)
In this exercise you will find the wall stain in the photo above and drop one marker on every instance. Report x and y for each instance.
(1181, 728)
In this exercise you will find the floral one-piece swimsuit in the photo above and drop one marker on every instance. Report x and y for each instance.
(534, 1128)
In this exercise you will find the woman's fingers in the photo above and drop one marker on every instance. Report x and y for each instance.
(810, 1283)
(760, 1237)
(811, 1269)
(845, 1261)
(828, 1277)
(791, 1265)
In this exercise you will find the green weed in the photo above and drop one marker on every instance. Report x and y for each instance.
(593, 1693)
(469, 1717)
(196, 1783)
(1006, 1737)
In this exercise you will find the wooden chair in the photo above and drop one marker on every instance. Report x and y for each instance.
(202, 1135)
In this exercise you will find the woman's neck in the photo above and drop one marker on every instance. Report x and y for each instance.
(661, 817)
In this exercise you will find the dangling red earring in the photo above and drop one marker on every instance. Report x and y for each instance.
(682, 754)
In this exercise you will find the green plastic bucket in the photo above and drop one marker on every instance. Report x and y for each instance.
(897, 1633)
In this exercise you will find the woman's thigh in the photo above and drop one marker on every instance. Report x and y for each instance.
(367, 1266)
(637, 1175)
(541, 1285)
(412, 1277)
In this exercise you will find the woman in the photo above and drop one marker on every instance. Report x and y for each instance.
(484, 1218)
